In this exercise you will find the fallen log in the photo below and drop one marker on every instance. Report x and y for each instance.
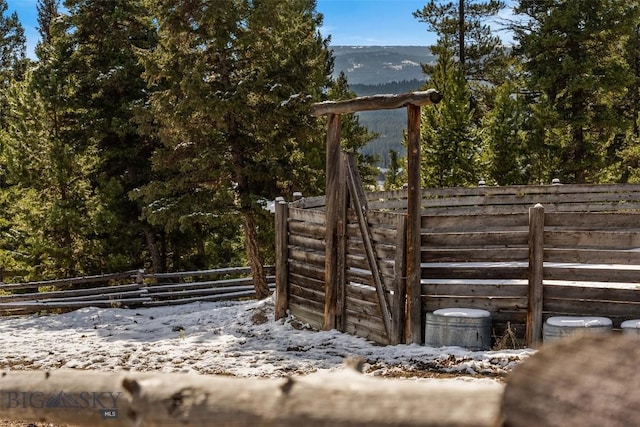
(587, 381)
(342, 398)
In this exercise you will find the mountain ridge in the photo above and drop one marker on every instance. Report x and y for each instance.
(373, 65)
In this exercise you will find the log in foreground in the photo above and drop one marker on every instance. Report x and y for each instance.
(376, 102)
(343, 398)
(588, 381)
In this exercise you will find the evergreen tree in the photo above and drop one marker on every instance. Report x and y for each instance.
(506, 159)
(575, 58)
(233, 87)
(626, 147)
(50, 166)
(96, 57)
(12, 49)
(12, 67)
(394, 178)
(47, 12)
(449, 136)
(52, 207)
(462, 26)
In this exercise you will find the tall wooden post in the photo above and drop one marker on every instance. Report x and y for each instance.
(536, 268)
(333, 167)
(282, 259)
(414, 197)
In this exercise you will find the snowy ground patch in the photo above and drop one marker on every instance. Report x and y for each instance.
(231, 338)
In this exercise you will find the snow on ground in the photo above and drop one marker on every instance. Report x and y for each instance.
(232, 338)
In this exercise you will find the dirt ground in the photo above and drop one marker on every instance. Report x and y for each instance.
(28, 424)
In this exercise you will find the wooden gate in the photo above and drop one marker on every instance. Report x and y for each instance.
(369, 288)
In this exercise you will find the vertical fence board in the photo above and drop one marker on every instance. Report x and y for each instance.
(536, 255)
(399, 286)
(341, 251)
(282, 258)
(333, 217)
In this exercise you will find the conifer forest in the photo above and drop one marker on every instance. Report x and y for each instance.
(153, 133)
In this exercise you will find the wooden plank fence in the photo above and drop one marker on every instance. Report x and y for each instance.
(522, 252)
(129, 289)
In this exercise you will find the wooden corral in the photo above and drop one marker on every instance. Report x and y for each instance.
(374, 264)
(522, 252)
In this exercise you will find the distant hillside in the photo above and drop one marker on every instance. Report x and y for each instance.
(372, 65)
(383, 69)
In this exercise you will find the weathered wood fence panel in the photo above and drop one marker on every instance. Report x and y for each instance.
(477, 251)
(306, 264)
(364, 316)
(361, 309)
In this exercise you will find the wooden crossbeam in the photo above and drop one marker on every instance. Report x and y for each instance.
(376, 102)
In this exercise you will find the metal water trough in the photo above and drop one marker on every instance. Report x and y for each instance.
(461, 327)
(557, 327)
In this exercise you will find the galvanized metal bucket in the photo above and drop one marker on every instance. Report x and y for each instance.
(461, 327)
(557, 327)
(631, 328)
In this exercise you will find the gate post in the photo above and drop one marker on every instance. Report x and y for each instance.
(333, 184)
(414, 197)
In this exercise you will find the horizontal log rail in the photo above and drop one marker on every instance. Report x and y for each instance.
(134, 288)
(342, 398)
(376, 102)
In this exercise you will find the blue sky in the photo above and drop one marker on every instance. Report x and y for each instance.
(28, 18)
(374, 22)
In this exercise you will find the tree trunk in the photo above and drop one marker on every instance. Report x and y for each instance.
(152, 245)
(253, 253)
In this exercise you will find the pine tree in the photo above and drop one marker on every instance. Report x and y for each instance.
(51, 175)
(233, 84)
(450, 142)
(506, 157)
(12, 67)
(94, 54)
(394, 178)
(47, 12)
(12, 49)
(462, 26)
(625, 151)
(576, 59)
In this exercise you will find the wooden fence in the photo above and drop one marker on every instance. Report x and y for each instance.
(522, 252)
(129, 289)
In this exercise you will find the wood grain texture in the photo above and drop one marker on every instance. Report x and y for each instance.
(376, 102)
(588, 381)
(341, 399)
